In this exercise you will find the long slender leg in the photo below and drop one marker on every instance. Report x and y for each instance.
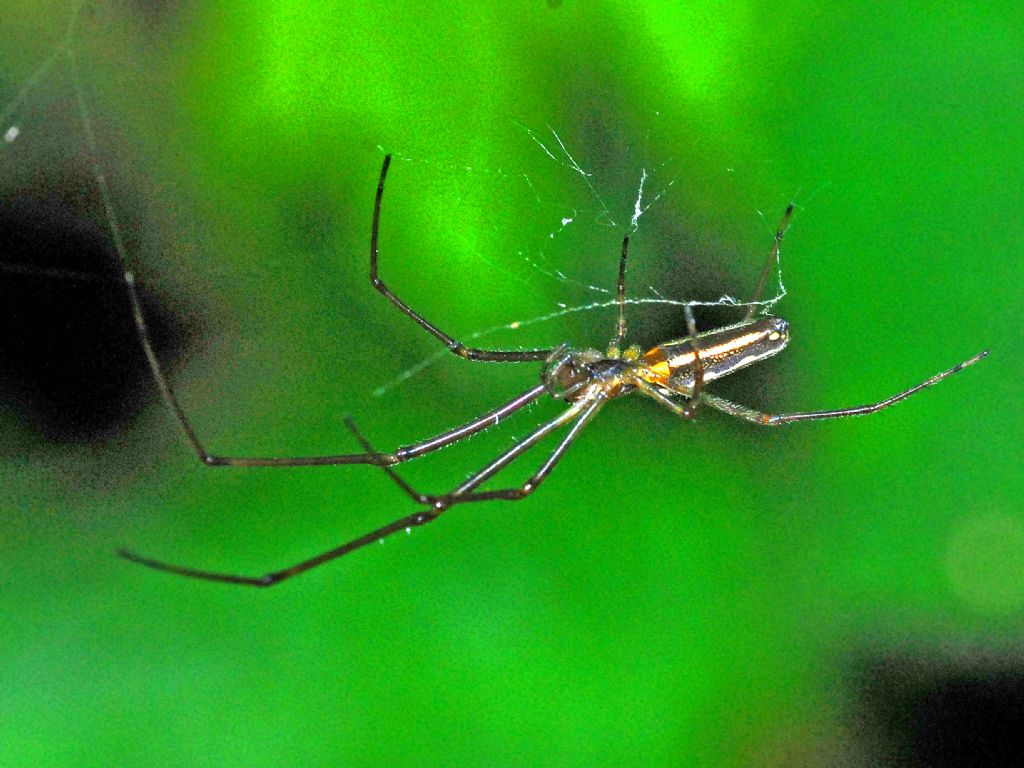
(698, 365)
(212, 460)
(663, 400)
(490, 469)
(531, 484)
(438, 505)
(511, 494)
(620, 298)
(456, 347)
(773, 257)
(402, 454)
(156, 371)
(276, 577)
(411, 492)
(771, 419)
(470, 428)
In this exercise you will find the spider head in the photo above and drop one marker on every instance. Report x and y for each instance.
(567, 372)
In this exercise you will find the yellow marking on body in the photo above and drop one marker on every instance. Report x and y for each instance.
(662, 370)
(658, 368)
(718, 350)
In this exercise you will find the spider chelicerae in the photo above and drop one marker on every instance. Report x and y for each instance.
(673, 374)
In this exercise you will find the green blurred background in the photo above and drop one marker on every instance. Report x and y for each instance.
(706, 593)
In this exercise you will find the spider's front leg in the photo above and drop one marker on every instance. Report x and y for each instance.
(454, 346)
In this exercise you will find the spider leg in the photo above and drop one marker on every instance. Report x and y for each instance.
(689, 410)
(454, 346)
(771, 419)
(584, 410)
(415, 495)
(531, 484)
(403, 453)
(683, 411)
(620, 298)
(210, 459)
(479, 424)
(466, 493)
(773, 257)
(698, 364)
(276, 577)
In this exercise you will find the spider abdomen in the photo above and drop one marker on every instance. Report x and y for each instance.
(721, 351)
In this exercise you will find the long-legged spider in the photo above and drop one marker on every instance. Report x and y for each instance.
(673, 374)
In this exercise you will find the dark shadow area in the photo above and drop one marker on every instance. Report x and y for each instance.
(156, 13)
(942, 715)
(70, 361)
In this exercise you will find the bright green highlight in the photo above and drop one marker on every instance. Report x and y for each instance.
(677, 593)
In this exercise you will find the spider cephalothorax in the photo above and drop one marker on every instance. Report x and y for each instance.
(570, 374)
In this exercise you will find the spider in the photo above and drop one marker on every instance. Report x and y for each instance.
(673, 374)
